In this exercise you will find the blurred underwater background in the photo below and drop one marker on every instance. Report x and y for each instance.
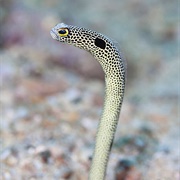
(51, 94)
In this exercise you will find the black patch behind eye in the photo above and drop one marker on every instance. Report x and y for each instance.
(100, 43)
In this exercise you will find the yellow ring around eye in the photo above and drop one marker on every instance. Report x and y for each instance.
(63, 32)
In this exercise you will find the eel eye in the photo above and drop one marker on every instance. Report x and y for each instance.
(63, 32)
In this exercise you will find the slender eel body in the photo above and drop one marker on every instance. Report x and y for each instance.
(108, 55)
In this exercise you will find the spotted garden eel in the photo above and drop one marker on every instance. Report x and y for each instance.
(109, 57)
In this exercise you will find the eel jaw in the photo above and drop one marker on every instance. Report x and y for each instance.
(54, 35)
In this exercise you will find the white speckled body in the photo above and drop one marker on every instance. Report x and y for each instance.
(108, 55)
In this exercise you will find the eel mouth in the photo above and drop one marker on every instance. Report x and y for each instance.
(54, 35)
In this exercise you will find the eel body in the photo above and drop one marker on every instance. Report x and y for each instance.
(107, 54)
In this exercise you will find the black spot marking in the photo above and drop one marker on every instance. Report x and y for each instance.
(100, 43)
